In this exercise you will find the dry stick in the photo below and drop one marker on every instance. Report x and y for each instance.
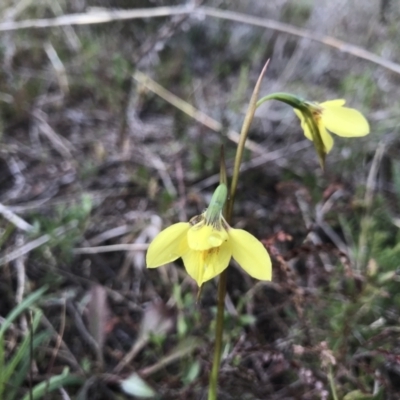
(19, 179)
(60, 144)
(308, 222)
(133, 98)
(96, 17)
(100, 17)
(14, 219)
(20, 251)
(133, 352)
(87, 337)
(159, 165)
(69, 356)
(112, 247)
(179, 354)
(110, 234)
(292, 30)
(256, 162)
(21, 278)
(58, 66)
(366, 222)
(59, 339)
(191, 111)
(16, 9)
(73, 41)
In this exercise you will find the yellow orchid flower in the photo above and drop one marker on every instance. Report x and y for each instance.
(332, 116)
(317, 119)
(206, 245)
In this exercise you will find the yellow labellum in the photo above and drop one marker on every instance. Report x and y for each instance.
(206, 250)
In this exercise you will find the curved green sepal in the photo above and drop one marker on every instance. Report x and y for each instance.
(290, 99)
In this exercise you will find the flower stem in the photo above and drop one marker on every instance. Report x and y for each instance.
(332, 384)
(248, 119)
(219, 328)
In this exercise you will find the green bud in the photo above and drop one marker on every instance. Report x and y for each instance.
(217, 203)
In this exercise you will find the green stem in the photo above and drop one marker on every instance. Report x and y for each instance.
(332, 384)
(219, 328)
(287, 98)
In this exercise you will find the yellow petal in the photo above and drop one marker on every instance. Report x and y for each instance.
(343, 121)
(168, 245)
(304, 125)
(250, 254)
(327, 139)
(204, 237)
(207, 264)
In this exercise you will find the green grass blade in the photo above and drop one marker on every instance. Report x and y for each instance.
(17, 379)
(23, 350)
(2, 380)
(53, 383)
(26, 303)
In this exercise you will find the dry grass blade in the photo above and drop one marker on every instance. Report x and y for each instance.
(98, 314)
(26, 248)
(96, 17)
(86, 336)
(267, 157)
(303, 33)
(191, 111)
(14, 219)
(60, 144)
(112, 247)
(58, 67)
(186, 347)
(157, 319)
(367, 221)
(104, 16)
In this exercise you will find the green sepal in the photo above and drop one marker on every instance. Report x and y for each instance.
(217, 203)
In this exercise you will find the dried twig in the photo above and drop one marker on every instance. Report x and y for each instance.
(257, 161)
(14, 219)
(59, 339)
(67, 352)
(19, 179)
(162, 170)
(110, 234)
(25, 249)
(103, 16)
(72, 38)
(20, 268)
(59, 143)
(192, 111)
(98, 16)
(58, 67)
(366, 222)
(112, 247)
(87, 337)
(303, 33)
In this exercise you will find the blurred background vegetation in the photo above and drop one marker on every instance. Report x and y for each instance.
(96, 158)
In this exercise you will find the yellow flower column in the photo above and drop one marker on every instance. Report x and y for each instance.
(207, 243)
